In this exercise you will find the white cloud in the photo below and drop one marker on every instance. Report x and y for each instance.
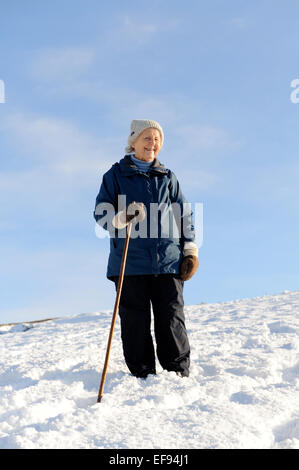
(238, 22)
(137, 26)
(59, 164)
(131, 105)
(61, 63)
(203, 136)
(202, 157)
(195, 179)
(66, 64)
(133, 31)
(132, 26)
(57, 144)
(277, 186)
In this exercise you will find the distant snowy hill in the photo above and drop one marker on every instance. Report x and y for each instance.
(242, 391)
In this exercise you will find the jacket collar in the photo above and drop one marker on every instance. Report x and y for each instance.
(128, 167)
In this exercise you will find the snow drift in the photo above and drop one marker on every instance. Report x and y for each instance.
(242, 391)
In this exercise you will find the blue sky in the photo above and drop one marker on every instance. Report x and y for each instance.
(216, 75)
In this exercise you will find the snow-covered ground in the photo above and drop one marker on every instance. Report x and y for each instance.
(242, 391)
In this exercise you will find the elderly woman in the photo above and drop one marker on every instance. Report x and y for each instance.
(158, 262)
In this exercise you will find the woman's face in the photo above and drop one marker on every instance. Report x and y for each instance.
(147, 144)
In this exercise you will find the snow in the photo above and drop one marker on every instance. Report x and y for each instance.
(242, 391)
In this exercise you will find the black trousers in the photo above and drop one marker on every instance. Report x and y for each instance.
(165, 293)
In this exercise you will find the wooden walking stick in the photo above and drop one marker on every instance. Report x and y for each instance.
(119, 288)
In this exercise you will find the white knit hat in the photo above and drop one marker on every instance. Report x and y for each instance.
(139, 125)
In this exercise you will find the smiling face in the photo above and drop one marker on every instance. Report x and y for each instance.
(147, 144)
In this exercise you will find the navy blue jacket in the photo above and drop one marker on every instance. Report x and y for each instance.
(153, 253)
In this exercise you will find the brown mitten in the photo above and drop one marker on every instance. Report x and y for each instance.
(188, 267)
(135, 209)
